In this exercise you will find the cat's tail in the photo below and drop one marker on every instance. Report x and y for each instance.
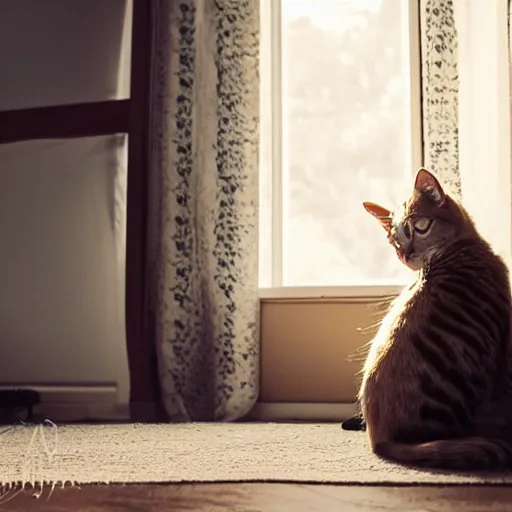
(467, 453)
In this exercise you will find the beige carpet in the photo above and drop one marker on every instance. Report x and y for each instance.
(263, 452)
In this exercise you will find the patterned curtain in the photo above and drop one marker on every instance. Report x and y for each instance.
(440, 84)
(203, 240)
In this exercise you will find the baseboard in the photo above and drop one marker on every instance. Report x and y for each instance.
(78, 403)
(265, 411)
(100, 403)
(84, 412)
(148, 412)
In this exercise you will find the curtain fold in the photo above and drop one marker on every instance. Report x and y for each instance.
(440, 90)
(203, 307)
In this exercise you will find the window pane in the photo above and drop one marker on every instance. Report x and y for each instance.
(55, 52)
(62, 226)
(346, 137)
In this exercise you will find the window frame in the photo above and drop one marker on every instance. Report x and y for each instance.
(271, 63)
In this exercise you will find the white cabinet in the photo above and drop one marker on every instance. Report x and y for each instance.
(62, 263)
(63, 211)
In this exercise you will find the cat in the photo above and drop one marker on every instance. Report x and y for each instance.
(440, 354)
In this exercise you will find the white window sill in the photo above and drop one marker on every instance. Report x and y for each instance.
(329, 292)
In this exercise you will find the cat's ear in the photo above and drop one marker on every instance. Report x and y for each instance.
(426, 183)
(383, 215)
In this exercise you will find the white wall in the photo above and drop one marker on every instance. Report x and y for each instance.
(63, 208)
(63, 51)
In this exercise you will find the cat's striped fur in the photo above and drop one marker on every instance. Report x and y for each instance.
(441, 351)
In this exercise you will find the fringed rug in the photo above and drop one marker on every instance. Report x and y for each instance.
(203, 452)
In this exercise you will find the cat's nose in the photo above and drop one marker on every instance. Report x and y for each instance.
(407, 247)
(404, 252)
(404, 243)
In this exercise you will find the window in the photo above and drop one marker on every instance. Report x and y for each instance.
(340, 114)
(341, 123)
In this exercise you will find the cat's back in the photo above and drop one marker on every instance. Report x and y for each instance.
(467, 302)
(468, 274)
(445, 331)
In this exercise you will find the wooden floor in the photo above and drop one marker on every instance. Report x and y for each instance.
(260, 498)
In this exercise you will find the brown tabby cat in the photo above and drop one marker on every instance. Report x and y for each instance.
(442, 347)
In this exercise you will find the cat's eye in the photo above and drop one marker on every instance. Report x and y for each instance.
(422, 225)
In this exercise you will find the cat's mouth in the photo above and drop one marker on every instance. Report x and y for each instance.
(409, 259)
(403, 255)
(404, 252)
